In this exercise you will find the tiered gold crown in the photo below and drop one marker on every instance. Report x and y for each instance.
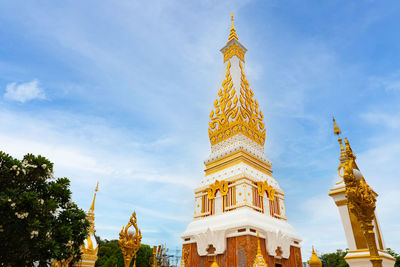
(259, 260)
(314, 261)
(235, 113)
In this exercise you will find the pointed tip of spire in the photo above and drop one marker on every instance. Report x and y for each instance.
(336, 129)
(232, 33)
(94, 198)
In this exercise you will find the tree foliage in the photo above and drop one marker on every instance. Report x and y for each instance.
(110, 254)
(39, 222)
(394, 255)
(335, 259)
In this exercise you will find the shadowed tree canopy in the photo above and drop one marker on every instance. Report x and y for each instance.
(39, 222)
(335, 259)
(110, 255)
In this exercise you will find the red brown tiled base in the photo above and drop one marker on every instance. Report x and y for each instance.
(240, 252)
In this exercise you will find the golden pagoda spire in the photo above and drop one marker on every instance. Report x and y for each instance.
(314, 261)
(94, 198)
(337, 131)
(259, 261)
(232, 33)
(89, 248)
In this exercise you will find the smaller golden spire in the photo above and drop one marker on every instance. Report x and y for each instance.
(94, 198)
(232, 34)
(314, 261)
(337, 131)
(259, 261)
(215, 264)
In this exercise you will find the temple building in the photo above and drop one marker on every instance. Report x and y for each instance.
(358, 254)
(89, 247)
(238, 197)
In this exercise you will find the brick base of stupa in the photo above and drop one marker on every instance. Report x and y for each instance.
(240, 252)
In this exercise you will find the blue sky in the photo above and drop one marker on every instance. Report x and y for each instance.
(120, 92)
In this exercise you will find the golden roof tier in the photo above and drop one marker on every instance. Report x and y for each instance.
(235, 110)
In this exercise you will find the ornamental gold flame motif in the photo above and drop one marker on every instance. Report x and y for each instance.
(264, 186)
(233, 115)
(361, 198)
(218, 185)
(130, 242)
(233, 50)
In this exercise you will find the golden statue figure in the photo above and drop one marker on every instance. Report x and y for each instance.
(130, 242)
(360, 196)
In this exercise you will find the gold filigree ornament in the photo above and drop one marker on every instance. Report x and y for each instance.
(218, 185)
(130, 242)
(233, 50)
(233, 115)
(264, 186)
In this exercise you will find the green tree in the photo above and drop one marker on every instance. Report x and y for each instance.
(335, 259)
(110, 254)
(39, 222)
(394, 255)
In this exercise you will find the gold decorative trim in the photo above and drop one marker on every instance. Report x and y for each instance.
(341, 202)
(264, 186)
(233, 50)
(233, 115)
(218, 185)
(366, 256)
(236, 158)
(337, 192)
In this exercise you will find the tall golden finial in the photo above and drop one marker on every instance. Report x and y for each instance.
(130, 242)
(232, 34)
(337, 131)
(94, 198)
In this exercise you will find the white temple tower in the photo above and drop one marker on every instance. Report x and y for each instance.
(238, 197)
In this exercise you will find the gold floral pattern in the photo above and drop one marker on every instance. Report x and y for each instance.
(233, 115)
(233, 50)
(264, 186)
(218, 185)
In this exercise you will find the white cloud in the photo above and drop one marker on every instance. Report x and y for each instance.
(390, 82)
(386, 119)
(24, 92)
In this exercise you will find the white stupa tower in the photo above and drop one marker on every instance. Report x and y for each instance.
(238, 197)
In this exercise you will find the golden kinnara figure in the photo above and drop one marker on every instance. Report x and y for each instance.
(130, 242)
(360, 196)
